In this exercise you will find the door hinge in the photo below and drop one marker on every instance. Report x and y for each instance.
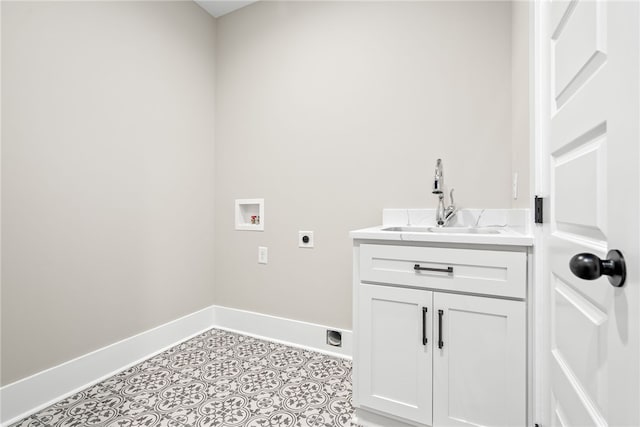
(538, 210)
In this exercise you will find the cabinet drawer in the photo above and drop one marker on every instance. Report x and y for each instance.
(475, 271)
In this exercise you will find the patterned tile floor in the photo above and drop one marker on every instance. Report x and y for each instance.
(215, 379)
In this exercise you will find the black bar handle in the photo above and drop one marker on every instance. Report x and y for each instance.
(424, 325)
(417, 267)
(440, 343)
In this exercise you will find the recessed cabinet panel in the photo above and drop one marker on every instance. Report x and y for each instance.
(480, 371)
(464, 270)
(395, 351)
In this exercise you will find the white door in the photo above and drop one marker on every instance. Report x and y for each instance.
(479, 361)
(395, 351)
(591, 50)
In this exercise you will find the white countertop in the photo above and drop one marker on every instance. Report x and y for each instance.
(512, 226)
(505, 236)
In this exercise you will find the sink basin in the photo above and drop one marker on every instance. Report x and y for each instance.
(463, 230)
(409, 229)
(444, 230)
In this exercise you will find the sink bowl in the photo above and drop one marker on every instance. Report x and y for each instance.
(444, 230)
(463, 230)
(408, 229)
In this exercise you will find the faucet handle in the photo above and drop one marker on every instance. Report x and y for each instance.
(451, 196)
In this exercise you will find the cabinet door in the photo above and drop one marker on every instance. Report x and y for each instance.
(480, 372)
(394, 372)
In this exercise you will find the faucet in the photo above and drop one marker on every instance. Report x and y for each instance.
(443, 215)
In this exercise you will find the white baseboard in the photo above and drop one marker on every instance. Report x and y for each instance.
(367, 418)
(29, 395)
(279, 329)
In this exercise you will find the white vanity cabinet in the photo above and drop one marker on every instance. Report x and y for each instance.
(479, 374)
(440, 335)
(393, 361)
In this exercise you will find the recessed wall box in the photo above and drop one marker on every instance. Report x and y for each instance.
(250, 214)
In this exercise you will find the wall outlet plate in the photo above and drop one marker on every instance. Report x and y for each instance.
(305, 239)
(263, 255)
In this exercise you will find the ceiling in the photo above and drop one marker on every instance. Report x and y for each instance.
(218, 8)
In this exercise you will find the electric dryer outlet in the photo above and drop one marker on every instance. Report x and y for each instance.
(305, 239)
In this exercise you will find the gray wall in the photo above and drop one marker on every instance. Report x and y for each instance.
(107, 174)
(520, 154)
(332, 111)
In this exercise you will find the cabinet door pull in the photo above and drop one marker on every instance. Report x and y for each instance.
(424, 325)
(417, 267)
(440, 343)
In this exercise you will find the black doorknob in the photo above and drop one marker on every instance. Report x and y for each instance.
(589, 267)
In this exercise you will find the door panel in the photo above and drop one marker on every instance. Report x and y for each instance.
(480, 371)
(579, 45)
(570, 408)
(585, 352)
(594, 100)
(582, 167)
(394, 370)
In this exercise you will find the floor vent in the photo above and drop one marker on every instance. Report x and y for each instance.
(334, 338)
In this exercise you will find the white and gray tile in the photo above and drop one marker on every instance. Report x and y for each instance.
(218, 378)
